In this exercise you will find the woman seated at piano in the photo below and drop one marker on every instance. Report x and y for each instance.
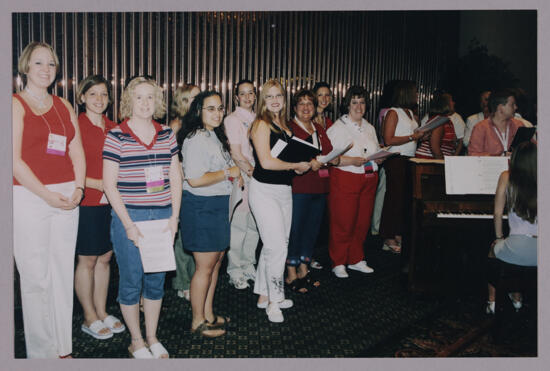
(442, 141)
(517, 190)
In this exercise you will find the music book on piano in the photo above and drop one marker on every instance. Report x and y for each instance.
(435, 122)
(473, 174)
(522, 135)
(296, 150)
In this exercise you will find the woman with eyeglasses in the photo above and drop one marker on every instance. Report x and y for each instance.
(270, 197)
(185, 265)
(209, 174)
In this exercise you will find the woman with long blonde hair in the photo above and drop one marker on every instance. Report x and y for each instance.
(270, 197)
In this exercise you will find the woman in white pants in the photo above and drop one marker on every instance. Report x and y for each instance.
(270, 198)
(48, 169)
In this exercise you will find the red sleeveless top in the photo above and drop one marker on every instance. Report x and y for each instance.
(48, 168)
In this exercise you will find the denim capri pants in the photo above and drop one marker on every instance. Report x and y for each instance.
(204, 222)
(133, 282)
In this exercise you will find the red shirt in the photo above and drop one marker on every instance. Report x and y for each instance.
(311, 182)
(93, 138)
(486, 142)
(48, 168)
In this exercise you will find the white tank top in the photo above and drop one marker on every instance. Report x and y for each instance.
(521, 226)
(405, 127)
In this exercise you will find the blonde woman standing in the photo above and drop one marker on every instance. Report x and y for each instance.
(270, 198)
(137, 156)
(48, 184)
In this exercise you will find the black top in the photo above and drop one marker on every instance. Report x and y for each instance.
(273, 176)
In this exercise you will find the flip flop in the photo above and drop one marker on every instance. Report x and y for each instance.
(217, 323)
(94, 330)
(298, 285)
(158, 350)
(110, 321)
(141, 353)
(203, 327)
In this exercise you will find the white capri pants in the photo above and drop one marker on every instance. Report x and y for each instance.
(271, 205)
(518, 249)
(44, 248)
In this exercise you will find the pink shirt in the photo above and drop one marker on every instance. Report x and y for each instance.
(237, 125)
(486, 142)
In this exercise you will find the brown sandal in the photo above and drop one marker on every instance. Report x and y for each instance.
(216, 323)
(203, 327)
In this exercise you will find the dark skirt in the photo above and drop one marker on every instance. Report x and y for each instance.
(204, 222)
(94, 224)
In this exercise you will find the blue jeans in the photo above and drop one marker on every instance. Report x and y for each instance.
(307, 215)
(133, 282)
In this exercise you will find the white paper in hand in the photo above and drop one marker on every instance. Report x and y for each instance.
(156, 246)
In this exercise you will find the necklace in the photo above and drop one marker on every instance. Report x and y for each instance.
(40, 100)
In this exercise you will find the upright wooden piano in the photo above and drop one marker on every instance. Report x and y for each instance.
(438, 221)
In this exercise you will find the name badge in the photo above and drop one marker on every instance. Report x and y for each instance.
(57, 145)
(323, 173)
(154, 179)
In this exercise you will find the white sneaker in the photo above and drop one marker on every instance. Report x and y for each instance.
(274, 313)
(490, 308)
(239, 283)
(185, 294)
(283, 304)
(361, 267)
(517, 304)
(340, 271)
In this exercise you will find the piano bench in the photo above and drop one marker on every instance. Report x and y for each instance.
(514, 278)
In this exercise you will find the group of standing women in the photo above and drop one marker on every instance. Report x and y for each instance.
(124, 174)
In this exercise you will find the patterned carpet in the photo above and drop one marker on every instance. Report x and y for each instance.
(362, 316)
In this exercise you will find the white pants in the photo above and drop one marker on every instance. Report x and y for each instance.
(241, 256)
(271, 205)
(44, 248)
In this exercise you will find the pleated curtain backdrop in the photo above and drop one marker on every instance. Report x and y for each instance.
(214, 50)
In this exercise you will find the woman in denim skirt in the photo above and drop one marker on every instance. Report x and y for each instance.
(142, 181)
(209, 174)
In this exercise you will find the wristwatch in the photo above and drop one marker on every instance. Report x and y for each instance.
(410, 138)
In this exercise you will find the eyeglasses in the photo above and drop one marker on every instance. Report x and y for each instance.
(213, 109)
(271, 97)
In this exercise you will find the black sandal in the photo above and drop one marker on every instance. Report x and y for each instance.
(311, 283)
(298, 285)
(216, 323)
(203, 327)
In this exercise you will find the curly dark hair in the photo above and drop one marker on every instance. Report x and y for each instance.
(192, 121)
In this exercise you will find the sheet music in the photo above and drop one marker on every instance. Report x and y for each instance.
(334, 153)
(473, 174)
(432, 124)
(303, 141)
(380, 154)
(156, 247)
(278, 148)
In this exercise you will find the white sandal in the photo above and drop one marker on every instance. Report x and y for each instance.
(141, 353)
(110, 321)
(158, 350)
(94, 330)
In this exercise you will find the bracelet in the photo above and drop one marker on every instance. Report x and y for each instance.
(81, 188)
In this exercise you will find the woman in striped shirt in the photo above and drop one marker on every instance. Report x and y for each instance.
(143, 182)
(442, 141)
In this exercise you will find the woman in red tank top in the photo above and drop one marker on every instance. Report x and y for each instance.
(48, 171)
(93, 244)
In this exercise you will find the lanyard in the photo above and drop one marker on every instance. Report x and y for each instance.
(503, 138)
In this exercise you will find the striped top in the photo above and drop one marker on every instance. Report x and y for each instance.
(447, 145)
(133, 156)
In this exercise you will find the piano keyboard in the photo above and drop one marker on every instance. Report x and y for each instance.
(467, 216)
